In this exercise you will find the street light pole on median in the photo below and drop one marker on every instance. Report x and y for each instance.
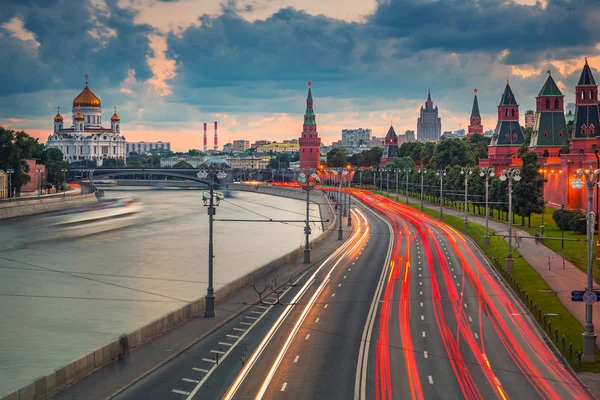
(487, 173)
(466, 171)
(422, 172)
(589, 337)
(397, 175)
(407, 171)
(308, 178)
(441, 173)
(511, 175)
(10, 172)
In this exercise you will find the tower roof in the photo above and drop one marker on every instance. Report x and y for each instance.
(429, 102)
(550, 88)
(586, 76)
(508, 98)
(475, 110)
(115, 116)
(58, 117)
(87, 98)
(309, 91)
(391, 133)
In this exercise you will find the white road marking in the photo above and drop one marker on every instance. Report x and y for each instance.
(210, 360)
(180, 392)
(200, 369)
(476, 335)
(470, 319)
(317, 320)
(245, 323)
(465, 305)
(423, 334)
(425, 354)
(271, 298)
(225, 344)
(430, 380)
(340, 285)
(422, 318)
(307, 336)
(344, 276)
(350, 269)
(257, 312)
(263, 307)
(421, 304)
(420, 283)
(233, 336)
(333, 295)
(421, 293)
(457, 284)
(325, 306)
(284, 386)
(250, 317)
(419, 275)
(217, 351)
(190, 380)
(239, 329)
(296, 359)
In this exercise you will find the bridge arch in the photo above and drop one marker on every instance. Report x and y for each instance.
(113, 173)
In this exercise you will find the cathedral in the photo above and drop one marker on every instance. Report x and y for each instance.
(429, 125)
(87, 139)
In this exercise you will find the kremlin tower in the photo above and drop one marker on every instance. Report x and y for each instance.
(587, 121)
(390, 150)
(550, 129)
(475, 122)
(310, 143)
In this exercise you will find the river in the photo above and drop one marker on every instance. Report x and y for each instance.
(50, 318)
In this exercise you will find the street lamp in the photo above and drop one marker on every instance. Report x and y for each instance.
(396, 172)
(10, 172)
(308, 178)
(211, 171)
(64, 171)
(407, 171)
(511, 175)
(39, 172)
(349, 180)
(589, 337)
(466, 171)
(272, 176)
(422, 172)
(441, 173)
(487, 173)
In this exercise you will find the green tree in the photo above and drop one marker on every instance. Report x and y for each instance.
(452, 152)
(337, 158)
(15, 148)
(528, 193)
(53, 160)
(527, 132)
(183, 164)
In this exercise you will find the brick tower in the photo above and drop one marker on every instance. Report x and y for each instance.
(475, 122)
(508, 135)
(550, 129)
(310, 143)
(390, 150)
(587, 120)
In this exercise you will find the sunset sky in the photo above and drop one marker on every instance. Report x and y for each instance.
(171, 65)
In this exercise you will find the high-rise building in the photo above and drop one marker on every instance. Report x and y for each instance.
(529, 119)
(550, 130)
(241, 145)
(310, 143)
(587, 119)
(475, 125)
(429, 125)
(410, 136)
(570, 108)
(390, 151)
(352, 138)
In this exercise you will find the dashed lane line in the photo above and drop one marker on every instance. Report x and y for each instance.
(246, 323)
(217, 351)
(180, 392)
(233, 336)
(200, 369)
(210, 360)
(425, 354)
(284, 386)
(225, 344)
(430, 380)
(307, 336)
(317, 320)
(296, 359)
(190, 380)
(239, 329)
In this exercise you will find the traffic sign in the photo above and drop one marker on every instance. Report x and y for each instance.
(577, 295)
(589, 297)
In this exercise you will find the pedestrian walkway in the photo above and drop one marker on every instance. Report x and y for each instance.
(559, 273)
(113, 378)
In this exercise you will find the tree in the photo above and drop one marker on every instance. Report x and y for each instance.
(528, 193)
(53, 160)
(15, 148)
(337, 158)
(281, 160)
(527, 139)
(183, 164)
(452, 152)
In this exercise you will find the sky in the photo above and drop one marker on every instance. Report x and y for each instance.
(170, 65)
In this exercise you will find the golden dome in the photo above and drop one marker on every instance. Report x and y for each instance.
(87, 98)
(58, 118)
(79, 116)
(115, 116)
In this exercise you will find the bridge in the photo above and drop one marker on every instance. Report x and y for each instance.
(181, 173)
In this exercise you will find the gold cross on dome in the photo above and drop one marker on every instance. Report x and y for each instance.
(86, 78)
(115, 109)
(58, 109)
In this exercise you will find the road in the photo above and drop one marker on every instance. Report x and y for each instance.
(407, 308)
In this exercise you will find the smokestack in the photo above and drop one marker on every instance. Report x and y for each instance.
(205, 138)
(216, 137)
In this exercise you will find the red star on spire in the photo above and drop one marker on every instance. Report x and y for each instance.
(475, 90)
(309, 83)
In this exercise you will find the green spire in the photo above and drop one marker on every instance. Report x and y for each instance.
(309, 116)
(475, 111)
(550, 88)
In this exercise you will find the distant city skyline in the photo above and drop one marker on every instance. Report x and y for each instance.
(217, 62)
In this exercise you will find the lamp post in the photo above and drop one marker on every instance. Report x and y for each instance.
(381, 181)
(10, 172)
(210, 171)
(466, 171)
(422, 172)
(39, 172)
(387, 182)
(589, 337)
(407, 171)
(349, 180)
(340, 232)
(511, 175)
(487, 173)
(308, 178)
(397, 174)
(64, 171)
(441, 173)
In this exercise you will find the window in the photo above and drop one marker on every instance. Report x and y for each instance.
(546, 133)
(311, 150)
(583, 130)
(67, 149)
(560, 133)
(513, 112)
(582, 95)
(592, 129)
(556, 104)
(547, 104)
(507, 112)
(81, 126)
(591, 94)
(507, 137)
(515, 137)
(546, 154)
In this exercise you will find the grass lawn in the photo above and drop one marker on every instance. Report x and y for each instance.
(531, 282)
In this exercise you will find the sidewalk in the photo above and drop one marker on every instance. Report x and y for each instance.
(110, 379)
(559, 273)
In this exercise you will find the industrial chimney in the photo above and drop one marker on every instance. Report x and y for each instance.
(205, 138)
(216, 137)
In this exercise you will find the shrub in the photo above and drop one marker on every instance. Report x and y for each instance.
(570, 220)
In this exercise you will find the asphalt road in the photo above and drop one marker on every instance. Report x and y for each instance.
(312, 336)
(406, 308)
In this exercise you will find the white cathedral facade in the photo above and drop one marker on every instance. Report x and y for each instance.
(87, 139)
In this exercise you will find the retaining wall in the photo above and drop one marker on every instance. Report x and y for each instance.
(47, 385)
(30, 207)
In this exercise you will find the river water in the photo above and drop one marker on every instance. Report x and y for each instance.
(50, 318)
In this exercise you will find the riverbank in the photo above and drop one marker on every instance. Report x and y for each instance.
(159, 326)
(32, 206)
